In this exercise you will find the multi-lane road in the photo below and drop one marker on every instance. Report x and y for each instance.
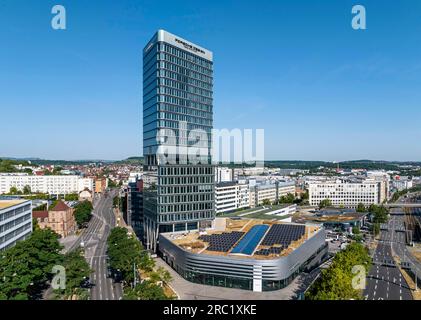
(385, 280)
(94, 242)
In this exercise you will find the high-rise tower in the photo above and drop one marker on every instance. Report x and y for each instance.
(177, 124)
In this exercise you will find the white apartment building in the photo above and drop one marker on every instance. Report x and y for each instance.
(348, 194)
(230, 196)
(15, 222)
(45, 184)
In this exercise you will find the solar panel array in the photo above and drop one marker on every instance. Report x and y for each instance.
(222, 242)
(271, 250)
(283, 234)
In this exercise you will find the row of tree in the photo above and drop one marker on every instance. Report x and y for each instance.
(126, 256)
(287, 199)
(342, 281)
(26, 269)
(14, 191)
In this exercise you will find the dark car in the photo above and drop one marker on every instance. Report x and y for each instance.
(86, 283)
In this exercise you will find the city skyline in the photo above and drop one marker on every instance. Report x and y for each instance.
(318, 77)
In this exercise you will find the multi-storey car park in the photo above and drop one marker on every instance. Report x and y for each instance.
(248, 254)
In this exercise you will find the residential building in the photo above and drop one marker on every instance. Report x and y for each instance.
(100, 185)
(177, 103)
(64, 184)
(346, 193)
(15, 222)
(60, 219)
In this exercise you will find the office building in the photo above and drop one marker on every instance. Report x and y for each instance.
(134, 216)
(248, 254)
(384, 179)
(224, 174)
(177, 115)
(15, 222)
(231, 196)
(346, 193)
(401, 183)
(271, 192)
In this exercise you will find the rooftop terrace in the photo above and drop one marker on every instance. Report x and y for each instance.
(246, 238)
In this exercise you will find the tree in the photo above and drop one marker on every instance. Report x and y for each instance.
(116, 201)
(379, 213)
(27, 190)
(361, 208)
(335, 283)
(289, 198)
(77, 271)
(266, 202)
(83, 213)
(355, 230)
(325, 203)
(13, 190)
(162, 275)
(305, 195)
(111, 184)
(146, 290)
(71, 197)
(26, 267)
(125, 252)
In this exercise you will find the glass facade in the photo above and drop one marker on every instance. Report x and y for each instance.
(230, 277)
(177, 115)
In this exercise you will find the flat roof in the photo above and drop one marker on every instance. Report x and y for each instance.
(338, 218)
(4, 204)
(177, 41)
(190, 240)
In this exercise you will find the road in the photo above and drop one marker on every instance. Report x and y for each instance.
(385, 281)
(94, 239)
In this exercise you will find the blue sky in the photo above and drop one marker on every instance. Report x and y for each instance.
(321, 90)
